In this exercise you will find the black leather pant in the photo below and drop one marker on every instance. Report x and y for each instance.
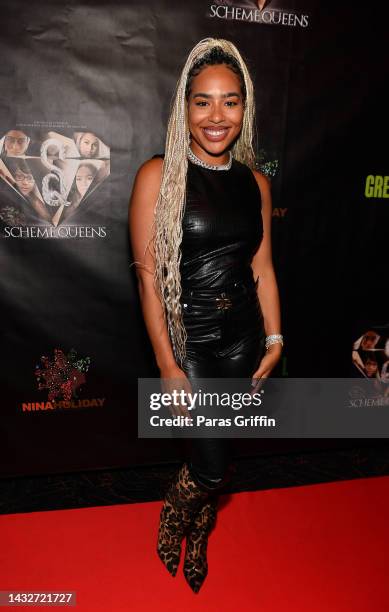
(226, 339)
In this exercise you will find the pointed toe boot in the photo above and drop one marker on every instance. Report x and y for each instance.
(181, 504)
(195, 562)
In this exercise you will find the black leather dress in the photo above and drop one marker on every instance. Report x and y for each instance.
(222, 230)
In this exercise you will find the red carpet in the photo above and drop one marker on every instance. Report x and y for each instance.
(318, 548)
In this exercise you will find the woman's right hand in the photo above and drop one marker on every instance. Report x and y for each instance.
(173, 378)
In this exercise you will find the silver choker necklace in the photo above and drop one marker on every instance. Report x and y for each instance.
(199, 162)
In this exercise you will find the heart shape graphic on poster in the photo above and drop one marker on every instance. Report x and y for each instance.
(62, 177)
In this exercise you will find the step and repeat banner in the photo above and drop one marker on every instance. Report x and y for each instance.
(85, 94)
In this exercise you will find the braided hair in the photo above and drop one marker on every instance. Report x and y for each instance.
(215, 56)
(170, 205)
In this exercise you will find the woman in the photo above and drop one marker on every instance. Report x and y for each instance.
(200, 230)
(87, 144)
(15, 144)
(85, 175)
(26, 185)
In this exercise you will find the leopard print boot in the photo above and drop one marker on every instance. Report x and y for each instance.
(195, 562)
(182, 501)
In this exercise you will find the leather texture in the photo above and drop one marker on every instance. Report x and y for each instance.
(221, 343)
(222, 230)
(222, 226)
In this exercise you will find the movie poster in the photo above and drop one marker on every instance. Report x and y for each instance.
(49, 176)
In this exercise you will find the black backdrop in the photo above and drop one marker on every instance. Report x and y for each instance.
(74, 342)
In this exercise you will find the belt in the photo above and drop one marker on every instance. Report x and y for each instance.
(222, 297)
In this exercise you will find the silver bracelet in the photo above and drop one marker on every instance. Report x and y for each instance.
(273, 339)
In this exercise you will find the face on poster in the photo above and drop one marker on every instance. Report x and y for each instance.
(52, 173)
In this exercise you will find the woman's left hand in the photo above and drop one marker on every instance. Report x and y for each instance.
(268, 362)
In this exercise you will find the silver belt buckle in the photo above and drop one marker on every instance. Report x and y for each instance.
(223, 302)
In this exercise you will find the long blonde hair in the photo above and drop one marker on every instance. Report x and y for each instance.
(170, 205)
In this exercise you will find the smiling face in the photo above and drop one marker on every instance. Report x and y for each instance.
(215, 113)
